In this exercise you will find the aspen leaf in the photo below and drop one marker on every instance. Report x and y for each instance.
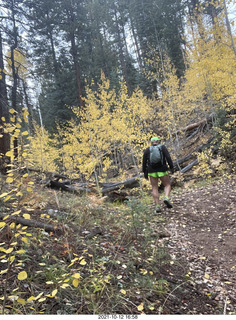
(9, 180)
(64, 285)
(32, 298)
(123, 291)
(83, 262)
(206, 276)
(3, 195)
(54, 292)
(20, 251)
(22, 275)
(9, 250)
(3, 119)
(42, 299)
(25, 133)
(7, 198)
(76, 275)
(75, 283)
(2, 224)
(25, 240)
(16, 213)
(25, 175)
(3, 271)
(49, 282)
(12, 225)
(29, 189)
(12, 111)
(26, 216)
(21, 301)
(39, 295)
(140, 307)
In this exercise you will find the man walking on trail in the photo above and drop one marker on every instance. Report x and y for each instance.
(155, 167)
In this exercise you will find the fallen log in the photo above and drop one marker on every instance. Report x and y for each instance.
(65, 187)
(34, 223)
(129, 183)
(197, 124)
(189, 166)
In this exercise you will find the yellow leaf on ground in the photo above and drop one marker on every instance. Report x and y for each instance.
(75, 283)
(20, 251)
(3, 195)
(83, 262)
(3, 271)
(140, 307)
(9, 250)
(54, 292)
(9, 154)
(76, 275)
(123, 291)
(42, 299)
(25, 240)
(26, 216)
(22, 275)
(31, 298)
(2, 224)
(21, 301)
(207, 276)
(16, 213)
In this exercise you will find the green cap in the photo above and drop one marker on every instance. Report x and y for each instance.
(154, 139)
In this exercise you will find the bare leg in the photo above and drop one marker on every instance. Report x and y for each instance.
(166, 182)
(155, 193)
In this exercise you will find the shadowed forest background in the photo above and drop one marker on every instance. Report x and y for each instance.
(83, 87)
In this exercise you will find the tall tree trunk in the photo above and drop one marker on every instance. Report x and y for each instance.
(74, 51)
(14, 72)
(121, 54)
(139, 58)
(29, 107)
(229, 28)
(77, 68)
(4, 113)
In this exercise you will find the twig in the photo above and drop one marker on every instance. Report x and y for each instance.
(225, 306)
(162, 307)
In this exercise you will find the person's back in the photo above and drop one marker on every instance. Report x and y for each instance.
(155, 159)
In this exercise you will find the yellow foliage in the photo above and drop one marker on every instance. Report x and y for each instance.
(42, 153)
(108, 122)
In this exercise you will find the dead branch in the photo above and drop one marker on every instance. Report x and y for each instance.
(34, 223)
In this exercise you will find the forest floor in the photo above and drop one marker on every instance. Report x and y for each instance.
(128, 260)
(202, 225)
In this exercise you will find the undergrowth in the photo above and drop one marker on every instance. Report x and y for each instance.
(107, 259)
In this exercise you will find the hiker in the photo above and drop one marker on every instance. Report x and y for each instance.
(155, 167)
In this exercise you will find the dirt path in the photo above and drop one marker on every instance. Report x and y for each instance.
(203, 233)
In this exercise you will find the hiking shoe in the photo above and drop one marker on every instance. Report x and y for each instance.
(168, 203)
(158, 209)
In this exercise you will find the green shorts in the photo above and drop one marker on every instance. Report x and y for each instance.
(158, 174)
